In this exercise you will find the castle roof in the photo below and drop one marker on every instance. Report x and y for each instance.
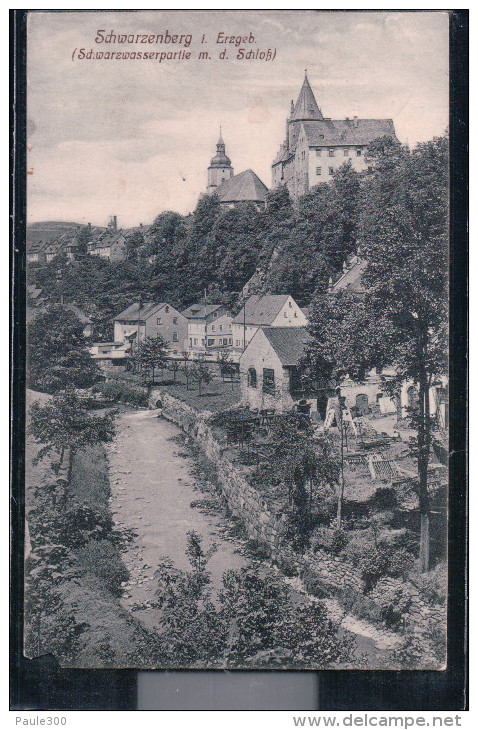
(306, 107)
(242, 187)
(289, 343)
(347, 131)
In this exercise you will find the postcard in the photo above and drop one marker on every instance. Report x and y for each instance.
(237, 339)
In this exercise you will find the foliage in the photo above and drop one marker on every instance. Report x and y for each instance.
(58, 355)
(383, 560)
(200, 374)
(255, 622)
(151, 353)
(122, 392)
(102, 559)
(64, 423)
(401, 318)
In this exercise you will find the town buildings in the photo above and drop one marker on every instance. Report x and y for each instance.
(146, 319)
(316, 146)
(209, 329)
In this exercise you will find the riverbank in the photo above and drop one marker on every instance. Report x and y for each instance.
(73, 569)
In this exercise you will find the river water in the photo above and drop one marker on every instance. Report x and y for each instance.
(152, 487)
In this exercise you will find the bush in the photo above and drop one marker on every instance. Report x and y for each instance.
(383, 560)
(102, 559)
(121, 392)
(383, 498)
(433, 586)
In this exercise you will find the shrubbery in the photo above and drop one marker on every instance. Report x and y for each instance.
(121, 392)
(102, 559)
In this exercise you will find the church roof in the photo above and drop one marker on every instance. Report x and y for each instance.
(289, 343)
(306, 107)
(242, 187)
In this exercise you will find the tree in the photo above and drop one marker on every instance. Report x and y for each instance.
(64, 423)
(402, 317)
(58, 355)
(151, 353)
(200, 373)
(406, 246)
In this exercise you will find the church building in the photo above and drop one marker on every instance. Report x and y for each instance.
(233, 189)
(315, 146)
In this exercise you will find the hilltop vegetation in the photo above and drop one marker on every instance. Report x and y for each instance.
(291, 249)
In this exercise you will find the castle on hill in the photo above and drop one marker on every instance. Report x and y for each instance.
(315, 146)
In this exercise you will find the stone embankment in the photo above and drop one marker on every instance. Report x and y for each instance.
(329, 574)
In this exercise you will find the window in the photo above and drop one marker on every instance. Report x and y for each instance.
(215, 314)
(285, 315)
(252, 378)
(238, 343)
(166, 309)
(158, 320)
(290, 305)
(210, 342)
(268, 381)
(175, 320)
(359, 153)
(346, 152)
(318, 171)
(190, 342)
(220, 328)
(318, 153)
(195, 340)
(175, 337)
(331, 170)
(230, 340)
(213, 327)
(331, 153)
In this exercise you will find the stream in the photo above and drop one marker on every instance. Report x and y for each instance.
(152, 488)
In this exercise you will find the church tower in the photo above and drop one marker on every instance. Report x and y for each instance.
(220, 168)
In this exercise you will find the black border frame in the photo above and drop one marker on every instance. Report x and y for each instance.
(40, 683)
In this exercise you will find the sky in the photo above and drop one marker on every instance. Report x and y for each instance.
(133, 138)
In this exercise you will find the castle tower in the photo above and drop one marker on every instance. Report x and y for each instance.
(220, 168)
(305, 110)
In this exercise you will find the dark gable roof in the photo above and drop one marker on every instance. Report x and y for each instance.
(261, 310)
(199, 311)
(288, 342)
(242, 187)
(348, 131)
(132, 312)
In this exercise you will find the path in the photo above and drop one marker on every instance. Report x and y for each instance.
(151, 493)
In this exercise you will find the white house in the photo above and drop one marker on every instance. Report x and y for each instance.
(268, 310)
(208, 326)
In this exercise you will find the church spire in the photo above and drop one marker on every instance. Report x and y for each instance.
(306, 107)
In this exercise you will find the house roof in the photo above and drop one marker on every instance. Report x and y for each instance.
(306, 106)
(261, 310)
(288, 342)
(242, 187)
(200, 311)
(351, 279)
(84, 319)
(132, 313)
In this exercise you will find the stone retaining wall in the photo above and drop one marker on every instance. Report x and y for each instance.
(329, 573)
